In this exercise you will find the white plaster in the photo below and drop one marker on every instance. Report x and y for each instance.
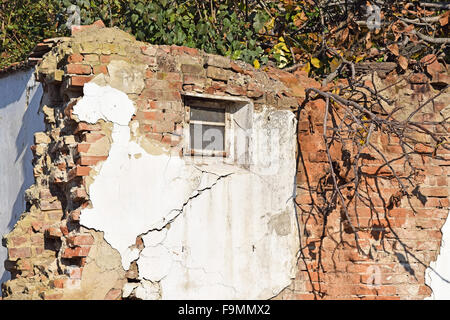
(147, 291)
(437, 276)
(20, 97)
(211, 231)
(154, 238)
(110, 105)
(155, 263)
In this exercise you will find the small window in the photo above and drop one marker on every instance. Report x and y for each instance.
(207, 128)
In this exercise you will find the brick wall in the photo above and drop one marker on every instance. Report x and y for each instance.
(399, 235)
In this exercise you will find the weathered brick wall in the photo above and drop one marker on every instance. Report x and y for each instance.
(400, 236)
(50, 253)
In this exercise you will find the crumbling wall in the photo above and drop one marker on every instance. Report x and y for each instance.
(111, 173)
(19, 120)
(400, 234)
(119, 211)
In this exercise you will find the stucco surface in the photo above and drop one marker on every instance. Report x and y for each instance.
(437, 276)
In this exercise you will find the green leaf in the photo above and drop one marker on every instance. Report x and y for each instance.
(139, 8)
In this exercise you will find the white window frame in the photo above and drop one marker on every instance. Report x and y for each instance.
(198, 103)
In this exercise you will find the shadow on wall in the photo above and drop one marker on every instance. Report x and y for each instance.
(19, 120)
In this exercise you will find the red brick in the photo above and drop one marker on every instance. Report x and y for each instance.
(90, 160)
(150, 115)
(421, 148)
(45, 194)
(78, 69)
(76, 252)
(92, 137)
(155, 84)
(236, 68)
(83, 147)
(418, 78)
(17, 241)
(178, 50)
(105, 58)
(64, 229)
(79, 81)
(434, 191)
(386, 298)
(52, 296)
(80, 240)
(37, 226)
(15, 253)
(75, 58)
(304, 296)
(37, 240)
(386, 290)
(83, 126)
(79, 171)
(174, 85)
(100, 69)
(236, 90)
(377, 170)
(434, 170)
(53, 232)
(59, 283)
(55, 215)
(168, 76)
(48, 206)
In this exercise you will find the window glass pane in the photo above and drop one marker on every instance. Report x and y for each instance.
(207, 114)
(207, 137)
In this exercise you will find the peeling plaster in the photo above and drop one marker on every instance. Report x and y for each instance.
(437, 275)
(19, 120)
(211, 231)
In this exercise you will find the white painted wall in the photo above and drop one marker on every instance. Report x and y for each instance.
(211, 230)
(437, 276)
(20, 98)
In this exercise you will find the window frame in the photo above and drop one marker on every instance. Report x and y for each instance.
(238, 117)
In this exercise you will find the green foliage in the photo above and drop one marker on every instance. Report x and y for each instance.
(223, 28)
(220, 29)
